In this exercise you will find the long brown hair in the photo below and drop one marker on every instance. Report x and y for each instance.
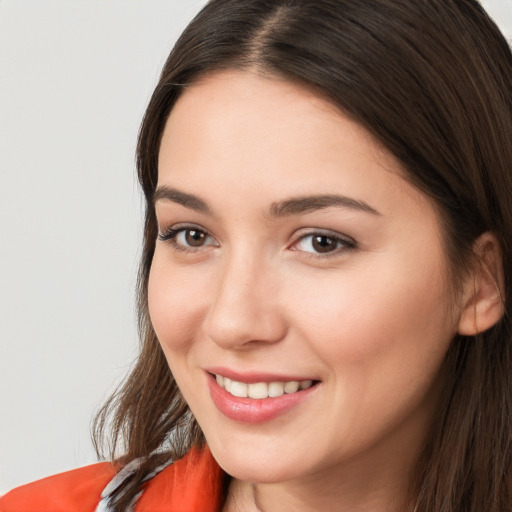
(431, 80)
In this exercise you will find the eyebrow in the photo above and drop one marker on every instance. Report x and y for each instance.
(187, 200)
(298, 205)
(288, 207)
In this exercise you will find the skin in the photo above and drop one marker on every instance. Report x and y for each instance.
(371, 321)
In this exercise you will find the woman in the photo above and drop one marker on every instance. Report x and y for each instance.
(325, 282)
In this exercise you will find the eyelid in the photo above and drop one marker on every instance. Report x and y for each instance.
(348, 243)
(169, 235)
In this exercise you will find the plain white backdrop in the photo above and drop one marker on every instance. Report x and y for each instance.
(75, 77)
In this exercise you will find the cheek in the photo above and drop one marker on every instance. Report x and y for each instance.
(376, 315)
(381, 340)
(174, 301)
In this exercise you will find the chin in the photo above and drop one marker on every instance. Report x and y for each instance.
(256, 465)
(258, 473)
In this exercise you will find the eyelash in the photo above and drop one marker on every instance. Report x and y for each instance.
(342, 243)
(169, 236)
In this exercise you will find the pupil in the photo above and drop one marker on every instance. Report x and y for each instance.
(195, 238)
(324, 243)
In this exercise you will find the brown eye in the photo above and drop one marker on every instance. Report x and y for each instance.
(322, 243)
(195, 238)
(187, 238)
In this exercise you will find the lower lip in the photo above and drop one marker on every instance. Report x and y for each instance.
(249, 410)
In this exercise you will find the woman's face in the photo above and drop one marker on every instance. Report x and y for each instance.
(292, 254)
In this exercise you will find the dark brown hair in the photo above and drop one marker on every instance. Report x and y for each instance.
(431, 80)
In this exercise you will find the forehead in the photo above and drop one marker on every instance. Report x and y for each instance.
(245, 132)
(256, 102)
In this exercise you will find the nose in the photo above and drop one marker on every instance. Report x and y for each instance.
(245, 311)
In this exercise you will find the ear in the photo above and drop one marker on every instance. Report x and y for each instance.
(483, 301)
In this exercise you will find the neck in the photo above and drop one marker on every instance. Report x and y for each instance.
(247, 497)
(376, 481)
(355, 487)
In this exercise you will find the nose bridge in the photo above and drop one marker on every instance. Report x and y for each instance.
(244, 307)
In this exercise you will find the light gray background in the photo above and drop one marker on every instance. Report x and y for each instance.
(75, 77)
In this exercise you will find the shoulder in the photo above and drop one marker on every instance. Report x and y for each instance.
(77, 490)
(191, 484)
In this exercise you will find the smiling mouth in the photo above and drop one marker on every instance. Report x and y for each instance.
(261, 390)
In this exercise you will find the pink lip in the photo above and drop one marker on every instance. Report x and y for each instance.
(252, 377)
(249, 410)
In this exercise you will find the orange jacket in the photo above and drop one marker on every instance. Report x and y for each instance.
(192, 484)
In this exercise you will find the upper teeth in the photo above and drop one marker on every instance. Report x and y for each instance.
(259, 390)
